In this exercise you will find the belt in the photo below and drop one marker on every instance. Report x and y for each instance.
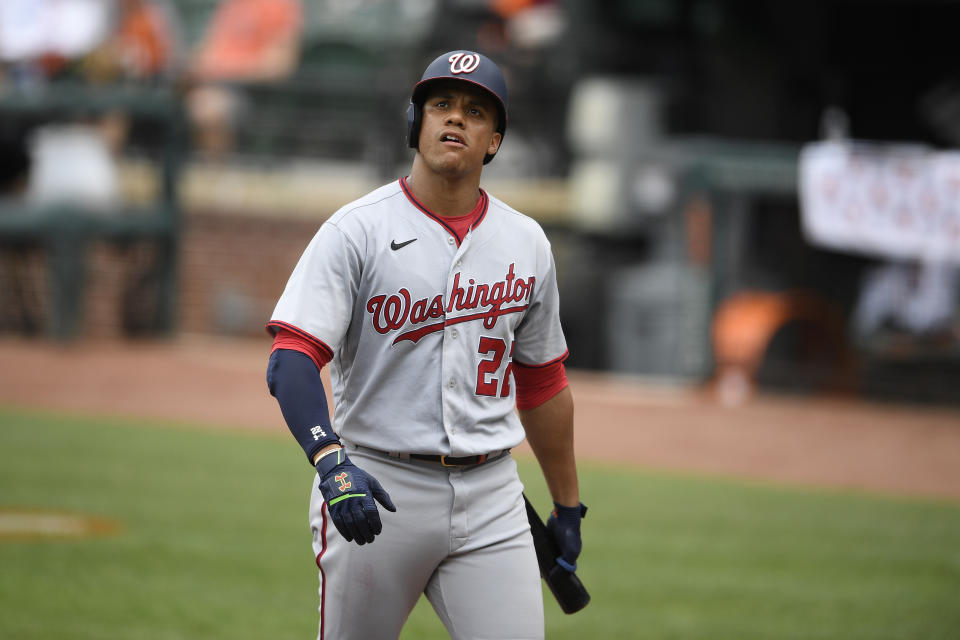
(453, 461)
(444, 460)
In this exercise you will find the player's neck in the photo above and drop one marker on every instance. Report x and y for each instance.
(445, 196)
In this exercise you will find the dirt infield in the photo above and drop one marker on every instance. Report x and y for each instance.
(843, 443)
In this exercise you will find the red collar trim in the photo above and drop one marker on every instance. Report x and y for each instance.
(482, 204)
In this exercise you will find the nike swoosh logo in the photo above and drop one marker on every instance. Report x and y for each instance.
(400, 245)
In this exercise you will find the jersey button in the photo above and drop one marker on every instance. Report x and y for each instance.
(452, 384)
(450, 240)
(453, 333)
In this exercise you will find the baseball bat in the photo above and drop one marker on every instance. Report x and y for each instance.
(565, 586)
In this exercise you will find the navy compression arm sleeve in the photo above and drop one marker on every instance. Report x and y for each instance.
(294, 380)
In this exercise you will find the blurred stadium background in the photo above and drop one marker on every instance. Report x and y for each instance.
(659, 142)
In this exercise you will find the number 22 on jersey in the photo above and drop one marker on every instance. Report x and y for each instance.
(487, 383)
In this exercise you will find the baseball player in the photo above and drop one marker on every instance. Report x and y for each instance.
(436, 306)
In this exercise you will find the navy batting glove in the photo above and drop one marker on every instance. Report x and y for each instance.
(350, 492)
(564, 525)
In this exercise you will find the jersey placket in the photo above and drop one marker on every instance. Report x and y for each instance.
(454, 369)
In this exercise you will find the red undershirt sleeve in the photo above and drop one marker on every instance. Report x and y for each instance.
(536, 385)
(286, 339)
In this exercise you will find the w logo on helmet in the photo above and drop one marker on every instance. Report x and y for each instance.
(463, 62)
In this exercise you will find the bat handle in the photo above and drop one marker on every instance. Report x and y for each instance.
(566, 565)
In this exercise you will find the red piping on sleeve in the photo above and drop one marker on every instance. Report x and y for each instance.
(289, 337)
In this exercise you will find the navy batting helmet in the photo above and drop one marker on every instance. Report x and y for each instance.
(466, 66)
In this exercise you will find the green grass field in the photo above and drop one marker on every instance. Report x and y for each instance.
(213, 543)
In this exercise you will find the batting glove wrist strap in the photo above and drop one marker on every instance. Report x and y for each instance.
(325, 454)
(328, 461)
(350, 493)
(569, 515)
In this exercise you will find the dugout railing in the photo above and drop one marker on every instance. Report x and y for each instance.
(66, 230)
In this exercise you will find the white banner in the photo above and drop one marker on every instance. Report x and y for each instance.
(890, 201)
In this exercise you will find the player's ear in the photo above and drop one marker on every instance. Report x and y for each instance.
(494, 143)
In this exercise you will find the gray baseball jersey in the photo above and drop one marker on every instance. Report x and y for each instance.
(423, 325)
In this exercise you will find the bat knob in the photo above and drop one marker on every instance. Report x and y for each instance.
(568, 590)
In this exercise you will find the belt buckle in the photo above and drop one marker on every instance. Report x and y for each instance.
(480, 459)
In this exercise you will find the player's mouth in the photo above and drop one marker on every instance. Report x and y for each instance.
(453, 139)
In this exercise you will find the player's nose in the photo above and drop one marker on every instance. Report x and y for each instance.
(455, 115)
(455, 118)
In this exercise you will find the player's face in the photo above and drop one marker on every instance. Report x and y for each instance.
(458, 128)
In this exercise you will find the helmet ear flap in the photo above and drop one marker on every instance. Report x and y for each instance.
(414, 114)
